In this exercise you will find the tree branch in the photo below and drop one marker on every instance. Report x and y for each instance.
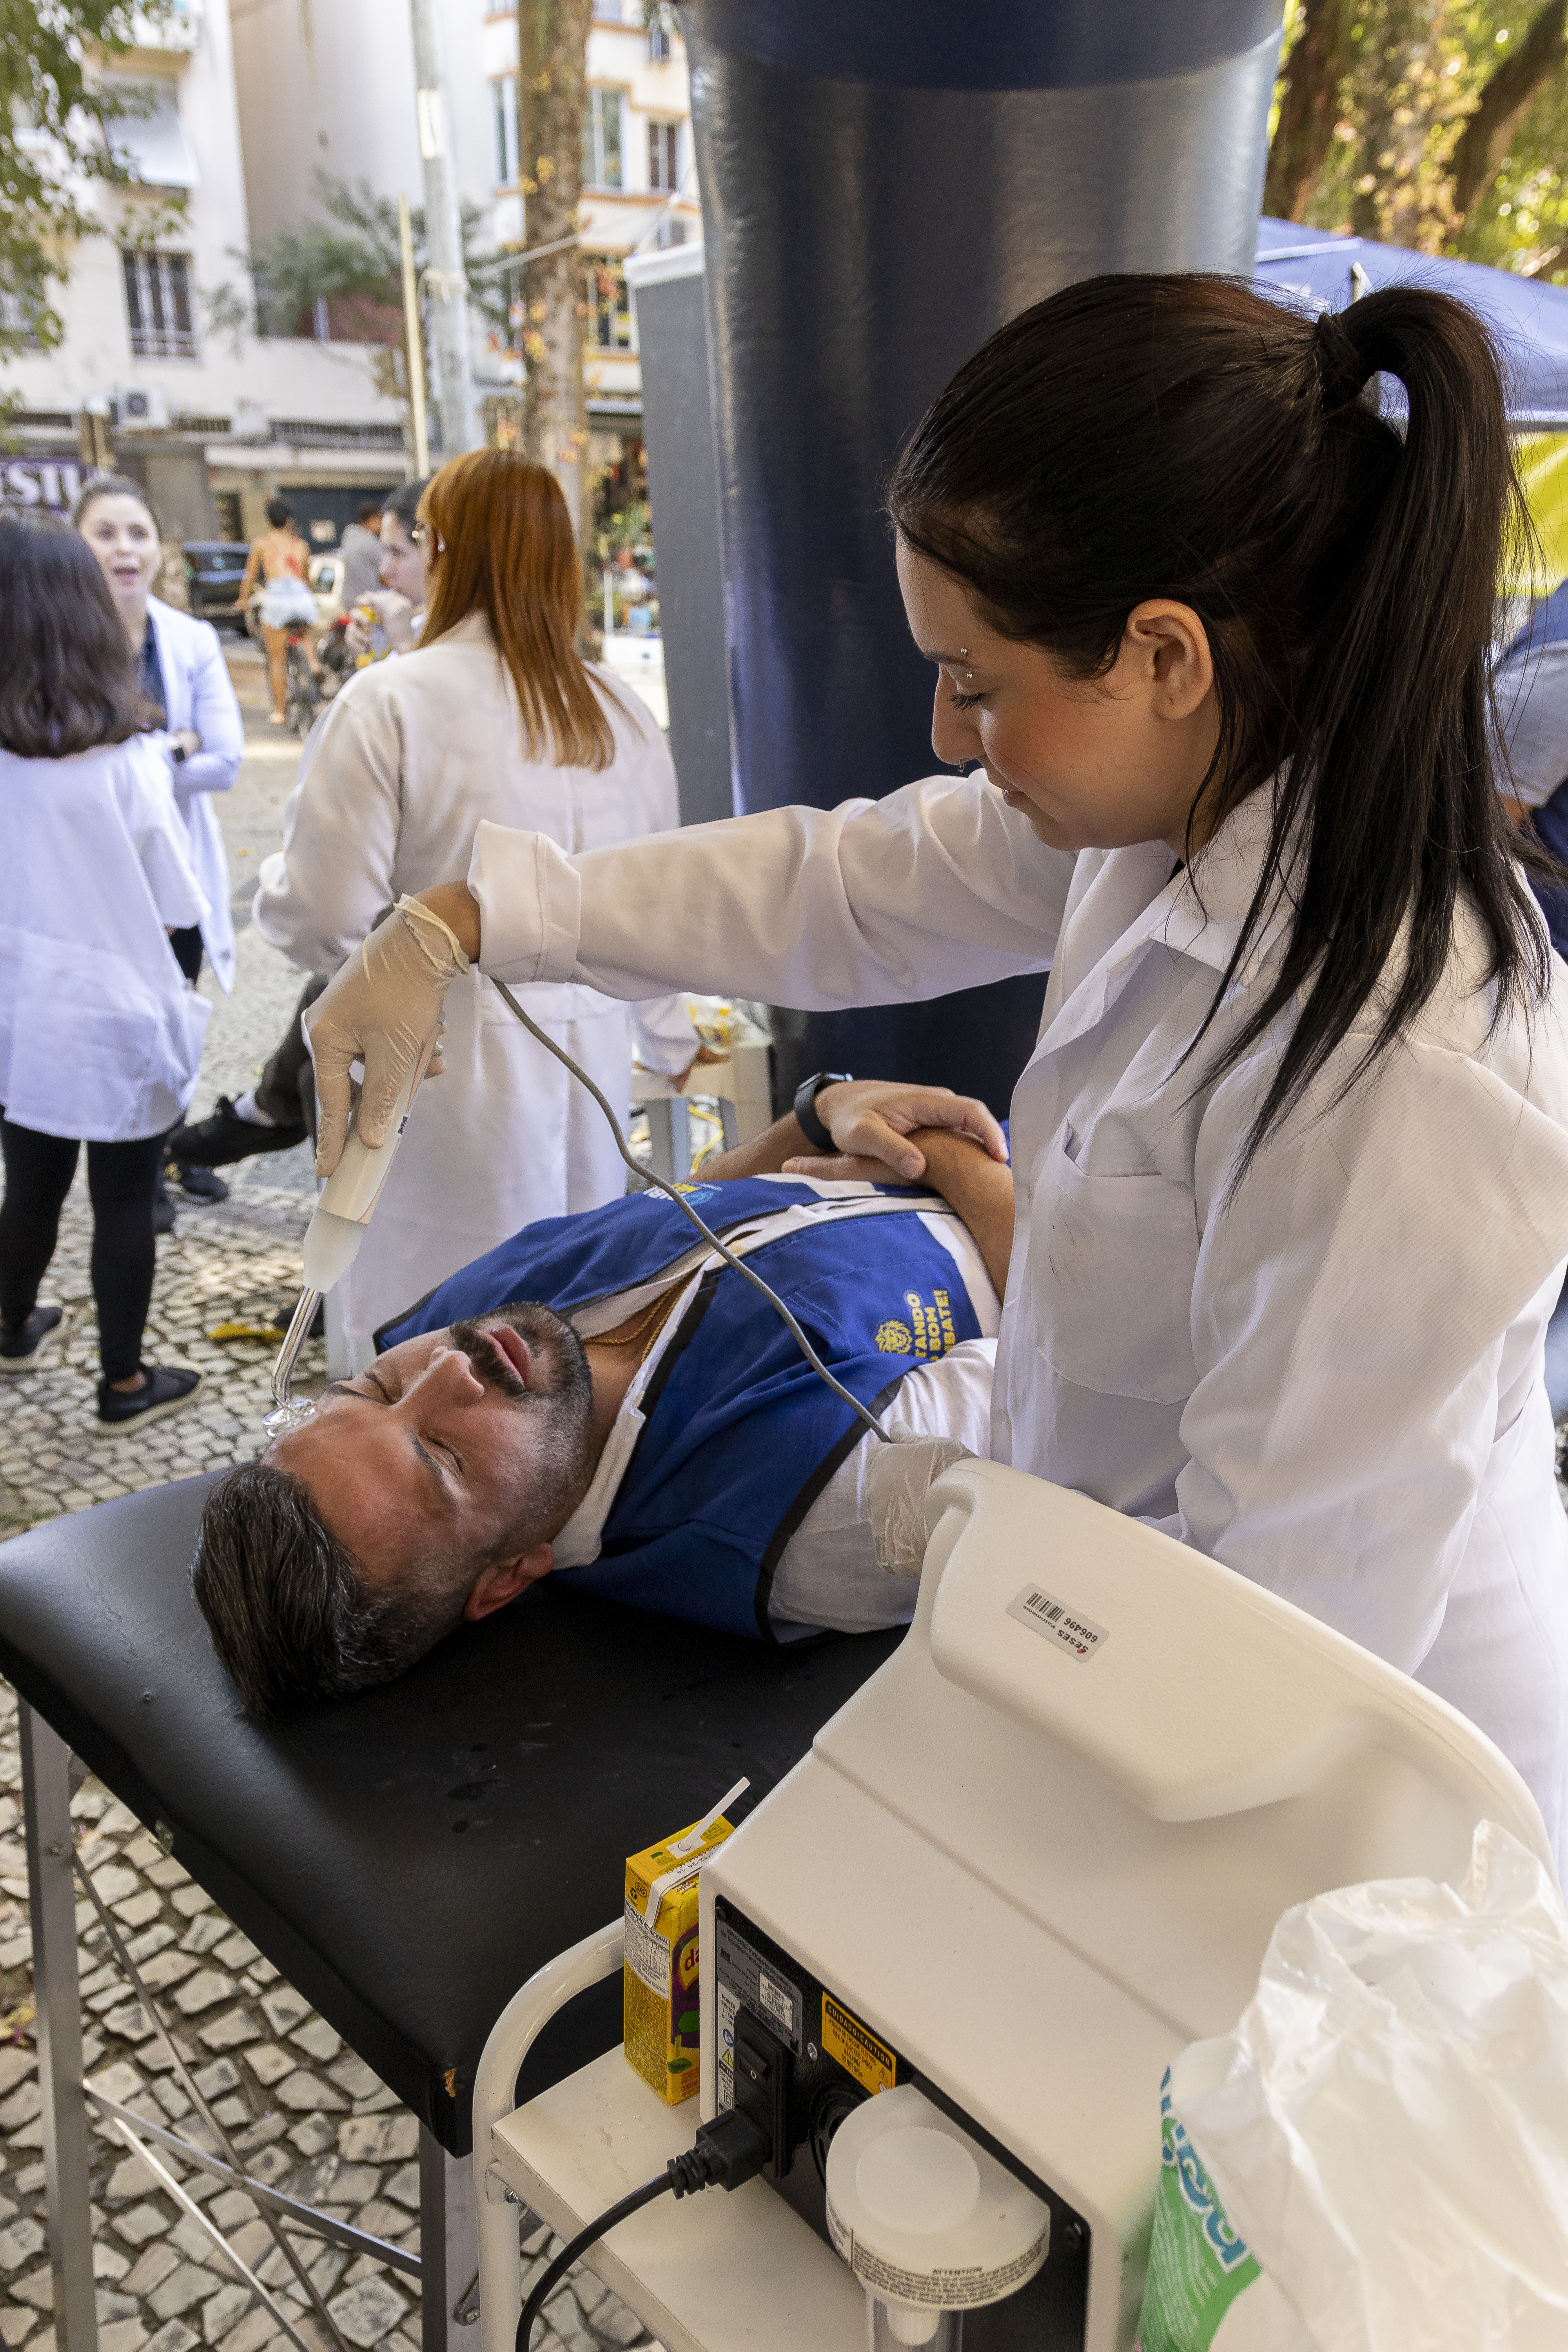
(1319, 60)
(1489, 133)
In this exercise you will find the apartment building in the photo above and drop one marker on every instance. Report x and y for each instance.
(160, 374)
(639, 181)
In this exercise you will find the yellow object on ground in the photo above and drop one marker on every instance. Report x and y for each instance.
(268, 1331)
(661, 1962)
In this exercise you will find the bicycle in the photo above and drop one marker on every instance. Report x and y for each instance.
(302, 695)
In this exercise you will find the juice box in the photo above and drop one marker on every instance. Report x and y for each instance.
(661, 1962)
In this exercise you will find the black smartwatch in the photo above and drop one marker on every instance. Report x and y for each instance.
(806, 1117)
(177, 754)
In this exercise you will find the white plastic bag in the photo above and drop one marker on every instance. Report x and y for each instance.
(1386, 2129)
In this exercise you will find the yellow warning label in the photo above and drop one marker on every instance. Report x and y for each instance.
(859, 2052)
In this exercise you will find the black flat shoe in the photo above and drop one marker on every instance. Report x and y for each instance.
(198, 1184)
(218, 1140)
(20, 1349)
(166, 1388)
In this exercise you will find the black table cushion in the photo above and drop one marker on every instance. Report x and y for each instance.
(407, 1857)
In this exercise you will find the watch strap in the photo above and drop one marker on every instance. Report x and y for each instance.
(805, 1118)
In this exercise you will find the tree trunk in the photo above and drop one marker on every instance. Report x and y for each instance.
(553, 99)
(1488, 134)
(1313, 71)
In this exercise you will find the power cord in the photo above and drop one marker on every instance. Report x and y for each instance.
(863, 1413)
(727, 2151)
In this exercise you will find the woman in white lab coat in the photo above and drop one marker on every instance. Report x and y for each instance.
(182, 673)
(1291, 1155)
(493, 716)
(100, 1032)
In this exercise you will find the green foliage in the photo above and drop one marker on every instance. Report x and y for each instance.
(55, 135)
(1419, 71)
(350, 252)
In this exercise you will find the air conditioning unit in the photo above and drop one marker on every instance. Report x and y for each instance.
(142, 408)
(250, 422)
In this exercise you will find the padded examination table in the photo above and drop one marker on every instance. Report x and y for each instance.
(409, 1856)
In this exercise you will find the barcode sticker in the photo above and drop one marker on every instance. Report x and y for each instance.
(1060, 1622)
(775, 2000)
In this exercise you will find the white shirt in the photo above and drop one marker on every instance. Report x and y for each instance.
(101, 1033)
(199, 695)
(1333, 1383)
(827, 1575)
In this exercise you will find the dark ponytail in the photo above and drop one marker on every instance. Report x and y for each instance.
(1182, 436)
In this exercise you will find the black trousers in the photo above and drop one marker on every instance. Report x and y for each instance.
(286, 1090)
(38, 1172)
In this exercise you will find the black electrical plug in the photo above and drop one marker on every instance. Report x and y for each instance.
(763, 2065)
(730, 2150)
(727, 2151)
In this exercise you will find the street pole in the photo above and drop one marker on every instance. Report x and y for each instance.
(415, 343)
(444, 279)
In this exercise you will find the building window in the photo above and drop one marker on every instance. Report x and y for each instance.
(664, 156)
(667, 232)
(503, 96)
(602, 139)
(658, 45)
(158, 302)
(610, 307)
(18, 323)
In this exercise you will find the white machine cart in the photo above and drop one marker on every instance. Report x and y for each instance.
(1037, 1854)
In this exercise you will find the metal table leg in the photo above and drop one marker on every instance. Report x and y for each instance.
(448, 2249)
(45, 1785)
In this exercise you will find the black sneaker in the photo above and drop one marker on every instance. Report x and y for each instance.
(166, 1388)
(162, 1207)
(225, 1136)
(197, 1185)
(20, 1349)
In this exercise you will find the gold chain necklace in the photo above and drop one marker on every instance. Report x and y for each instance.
(646, 1328)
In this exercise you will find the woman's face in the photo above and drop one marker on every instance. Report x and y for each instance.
(1092, 765)
(402, 562)
(124, 538)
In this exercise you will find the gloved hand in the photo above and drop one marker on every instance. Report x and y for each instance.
(899, 1478)
(383, 1008)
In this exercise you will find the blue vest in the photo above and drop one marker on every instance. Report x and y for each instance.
(739, 1435)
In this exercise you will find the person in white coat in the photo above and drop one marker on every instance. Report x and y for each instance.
(100, 1032)
(1291, 1155)
(493, 716)
(182, 673)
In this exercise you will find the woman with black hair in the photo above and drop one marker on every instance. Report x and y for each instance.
(100, 1032)
(1291, 1155)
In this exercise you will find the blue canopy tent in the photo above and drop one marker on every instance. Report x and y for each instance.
(1529, 320)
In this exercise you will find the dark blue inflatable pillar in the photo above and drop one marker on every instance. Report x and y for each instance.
(884, 184)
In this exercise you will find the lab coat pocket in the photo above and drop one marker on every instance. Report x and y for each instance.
(1112, 1261)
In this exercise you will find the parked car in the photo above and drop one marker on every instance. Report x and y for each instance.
(216, 566)
(327, 573)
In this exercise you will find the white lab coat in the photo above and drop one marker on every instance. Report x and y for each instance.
(1334, 1382)
(101, 1033)
(200, 696)
(404, 763)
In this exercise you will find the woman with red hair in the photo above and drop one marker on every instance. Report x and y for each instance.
(494, 715)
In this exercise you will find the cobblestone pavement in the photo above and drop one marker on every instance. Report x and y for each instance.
(304, 2111)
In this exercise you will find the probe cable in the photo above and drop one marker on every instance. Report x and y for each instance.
(727, 2151)
(644, 1176)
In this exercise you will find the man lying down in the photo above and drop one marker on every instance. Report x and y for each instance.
(603, 1398)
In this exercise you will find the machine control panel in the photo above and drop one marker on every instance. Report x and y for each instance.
(798, 2058)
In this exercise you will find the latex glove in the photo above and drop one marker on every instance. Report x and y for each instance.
(897, 1483)
(384, 1009)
